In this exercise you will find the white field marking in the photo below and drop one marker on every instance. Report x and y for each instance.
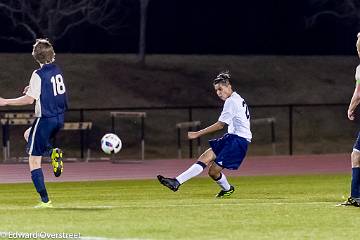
(84, 207)
(226, 204)
(4, 234)
(57, 207)
(174, 205)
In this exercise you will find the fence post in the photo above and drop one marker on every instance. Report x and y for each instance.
(290, 129)
(112, 123)
(142, 137)
(82, 134)
(190, 129)
(273, 138)
(179, 142)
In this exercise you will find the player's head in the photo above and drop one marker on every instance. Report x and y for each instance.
(222, 85)
(43, 51)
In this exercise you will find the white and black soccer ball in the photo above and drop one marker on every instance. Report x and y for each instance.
(111, 143)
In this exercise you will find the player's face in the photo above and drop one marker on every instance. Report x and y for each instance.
(358, 46)
(223, 91)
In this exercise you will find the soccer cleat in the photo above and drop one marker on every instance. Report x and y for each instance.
(56, 161)
(44, 205)
(224, 193)
(349, 202)
(170, 183)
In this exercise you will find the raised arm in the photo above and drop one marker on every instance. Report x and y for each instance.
(355, 100)
(212, 128)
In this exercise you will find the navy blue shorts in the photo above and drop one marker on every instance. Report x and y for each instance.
(41, 133)
(230, 150)
(357, 143)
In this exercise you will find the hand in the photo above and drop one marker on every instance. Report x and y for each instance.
(26, 89)
(2, 102)
(351, 115)
(193, 135)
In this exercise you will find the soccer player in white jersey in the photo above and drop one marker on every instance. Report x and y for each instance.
(226, 152)
(354, 199)
(47, 88)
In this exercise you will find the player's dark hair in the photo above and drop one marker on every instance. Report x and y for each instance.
(43, 51)
(223, 78)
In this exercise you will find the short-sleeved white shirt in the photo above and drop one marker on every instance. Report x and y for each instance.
(34, 91)
(236, 115)
(357, 74)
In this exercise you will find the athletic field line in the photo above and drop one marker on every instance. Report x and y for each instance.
(84, 207)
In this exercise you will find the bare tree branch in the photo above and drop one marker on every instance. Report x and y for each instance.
(55, 18)
(17, 40)
(9, 8)
(345, 10)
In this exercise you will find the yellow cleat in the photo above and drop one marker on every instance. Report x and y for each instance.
(44, 205)
(56, 161)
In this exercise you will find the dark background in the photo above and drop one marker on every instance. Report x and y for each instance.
(220, 27)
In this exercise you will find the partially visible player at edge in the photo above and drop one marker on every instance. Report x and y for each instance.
(226, 152)
(47, 88)
(354, 199)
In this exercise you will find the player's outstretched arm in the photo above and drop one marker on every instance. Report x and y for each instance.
(212, 128)
(2, 101)
(355, 100)
(23, 100)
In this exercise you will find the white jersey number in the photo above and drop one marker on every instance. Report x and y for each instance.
(58, 85)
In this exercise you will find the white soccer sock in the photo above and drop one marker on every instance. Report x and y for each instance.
(223, 183)
(191, 172)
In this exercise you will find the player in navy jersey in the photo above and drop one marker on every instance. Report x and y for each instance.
(225, 152)
(354, 199)
(47, 89)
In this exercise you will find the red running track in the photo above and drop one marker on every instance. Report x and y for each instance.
(148, 169)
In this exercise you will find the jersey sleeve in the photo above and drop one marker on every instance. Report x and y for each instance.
(228, 112)
(34, 86)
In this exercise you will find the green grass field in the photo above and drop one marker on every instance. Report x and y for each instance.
(294, 207)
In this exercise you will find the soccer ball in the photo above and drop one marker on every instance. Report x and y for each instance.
(111, 143)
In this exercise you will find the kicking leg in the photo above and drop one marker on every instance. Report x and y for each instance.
(220, 178)
(192, 171)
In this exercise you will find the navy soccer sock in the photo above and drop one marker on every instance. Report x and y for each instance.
(37, 177)
(355, 183)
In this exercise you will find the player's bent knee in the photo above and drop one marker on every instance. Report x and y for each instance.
(207, 156)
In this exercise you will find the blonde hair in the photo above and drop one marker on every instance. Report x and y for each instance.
(43, 51)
